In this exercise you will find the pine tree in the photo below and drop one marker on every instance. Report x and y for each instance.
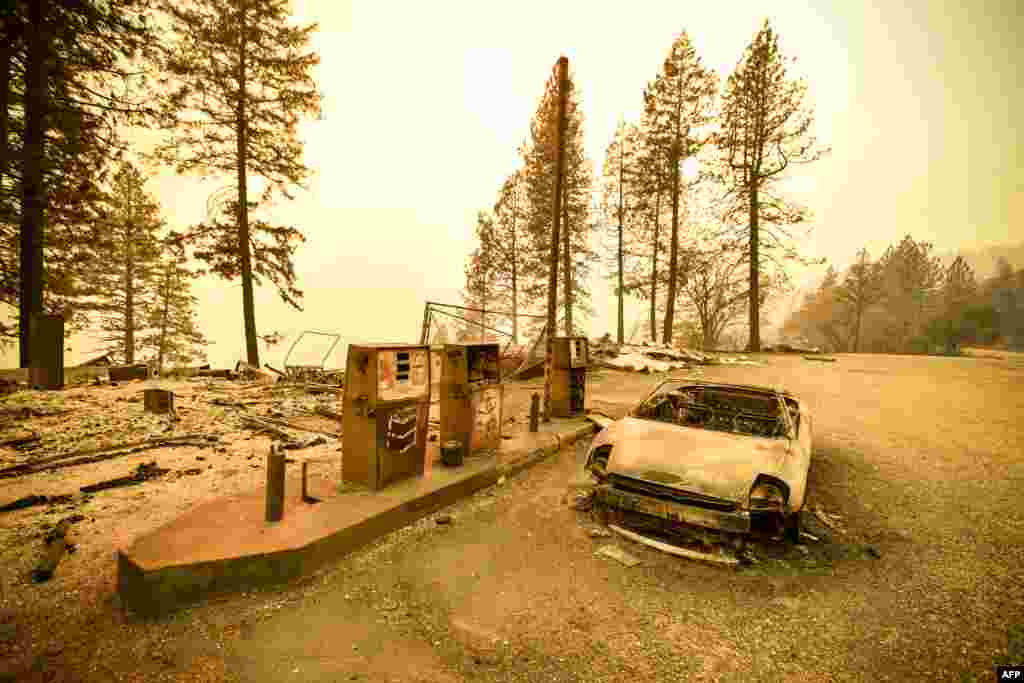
(538, 155)
(240, 83)
(959, 290)
(128, 244)
(480, 291)
(765, 128)
(59, 113)
(649, 241)
(911, 276)
(679, 105)
(862, 288)
(619, 204)
(510, 246)
(820, 319)
(173, 336)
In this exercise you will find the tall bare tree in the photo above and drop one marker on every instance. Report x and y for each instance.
(240, 82)
(765, 130)
(716, 292)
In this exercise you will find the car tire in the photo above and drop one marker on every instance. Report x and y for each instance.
(792, 528)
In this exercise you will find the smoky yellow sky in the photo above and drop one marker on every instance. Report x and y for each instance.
(426, 104)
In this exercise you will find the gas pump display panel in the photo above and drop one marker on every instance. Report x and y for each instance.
(402, 375)
(578, 352)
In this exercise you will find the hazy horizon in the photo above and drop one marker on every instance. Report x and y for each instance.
(425, 107)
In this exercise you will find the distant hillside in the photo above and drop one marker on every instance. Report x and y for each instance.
(984, 259)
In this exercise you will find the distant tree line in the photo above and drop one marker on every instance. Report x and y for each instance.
(908, 301)
(687, 214)
(225, 81)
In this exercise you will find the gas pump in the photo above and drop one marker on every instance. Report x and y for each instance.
(569, 376)
(386, 404)
(471, 395)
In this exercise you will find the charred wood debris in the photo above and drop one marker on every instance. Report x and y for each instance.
(99, 419)
(127, 411)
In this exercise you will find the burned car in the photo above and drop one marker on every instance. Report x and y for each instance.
(713, 462)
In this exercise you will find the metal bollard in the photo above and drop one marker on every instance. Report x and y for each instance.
(305, 472)
(534, 412)
(275, 484)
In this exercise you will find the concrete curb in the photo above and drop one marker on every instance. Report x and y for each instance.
(153, 591)
(150, 588)
(540, 454)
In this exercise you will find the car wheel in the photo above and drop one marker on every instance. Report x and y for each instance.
(792, 530)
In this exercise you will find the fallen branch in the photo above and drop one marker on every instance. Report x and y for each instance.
(260, 424)
(823, 359)
(320, 410)
(317, 440)
(271, 421)
(108, 453)
(33, 500)
(19, 439)
(143, 473)
(323, 389)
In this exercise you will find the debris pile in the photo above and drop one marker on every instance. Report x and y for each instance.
(44, 431)
(651, 357)
(789, 348)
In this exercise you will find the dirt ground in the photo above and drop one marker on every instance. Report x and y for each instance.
(922, 458)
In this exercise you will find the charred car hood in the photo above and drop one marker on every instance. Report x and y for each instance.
(711, 463)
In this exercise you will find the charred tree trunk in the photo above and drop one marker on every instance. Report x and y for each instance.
(567, 266)
(483, 308)
(248, 303)
(856, 328)
(6, 58)
(164, 319)
(556, 215)
(673, 250)
(622, 323)
(673, 259)
(754, 344)
(34, 200)
(129, 291)
(654, 268)
(515, 269)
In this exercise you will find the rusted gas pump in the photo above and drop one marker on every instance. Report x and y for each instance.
(569, 376)
(471, 395)
(385, 410)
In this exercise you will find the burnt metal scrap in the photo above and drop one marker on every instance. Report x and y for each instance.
(312, 373)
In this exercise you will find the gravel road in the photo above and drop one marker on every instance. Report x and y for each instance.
(922, 458)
